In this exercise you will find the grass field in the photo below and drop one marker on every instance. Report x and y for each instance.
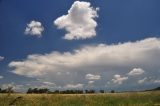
(108, 99)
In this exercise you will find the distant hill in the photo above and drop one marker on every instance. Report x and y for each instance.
(155, 89)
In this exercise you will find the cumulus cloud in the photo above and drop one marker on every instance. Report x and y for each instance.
(142, 80)
(79, 22)
(136, 71)
(149, 80)
(1, 77)
(34, 28)
(1, 58)
(118, 79)
(73, 86)
(105, 60)
(92, 77)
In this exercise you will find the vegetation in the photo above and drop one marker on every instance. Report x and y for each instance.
(7, 90)
(150, 98)
(112, 91)
(38, 91)
(155, 89)
(45, 97)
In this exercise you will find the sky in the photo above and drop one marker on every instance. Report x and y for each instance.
(89, 44)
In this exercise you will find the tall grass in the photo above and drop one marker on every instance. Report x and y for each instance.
(108, 99)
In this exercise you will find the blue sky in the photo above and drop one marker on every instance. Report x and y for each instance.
(116, 23)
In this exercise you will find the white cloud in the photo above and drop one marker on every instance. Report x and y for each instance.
(14, 86)
(49, 83)
(156, 81)
(79, 22)
(59, 73)
(73, 86)
(92, 77)
(118, 79)
(34, 28)
(149, 80)
(90, 82)
(41, 83)
(144, 52)
(1, 77)
(136, 71)
(107, 60)
(1, 58)
(142, 80)
(45, 86)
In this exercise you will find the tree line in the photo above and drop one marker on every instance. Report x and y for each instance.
(47, 91)
(7, 90)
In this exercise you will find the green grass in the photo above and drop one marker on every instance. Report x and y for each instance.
(108, 99)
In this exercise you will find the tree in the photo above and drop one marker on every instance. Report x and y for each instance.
(101, 91)
(36, 90)
(30, 90)
(56, 92)
(43, 90)
(90, 91)
(8, 90)
(112, 91)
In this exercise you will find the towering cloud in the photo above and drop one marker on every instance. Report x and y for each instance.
(34, 28)
(79, 22)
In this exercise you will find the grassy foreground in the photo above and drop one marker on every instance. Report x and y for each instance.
(108, 99)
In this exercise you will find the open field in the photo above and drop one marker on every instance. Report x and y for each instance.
(108, 99)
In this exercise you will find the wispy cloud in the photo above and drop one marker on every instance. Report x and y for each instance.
(142, 80)
(1, 77)
(49, 83)
(90, 82)
(73, 86)
(14, 86)
(92, 77)
(157, 81)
